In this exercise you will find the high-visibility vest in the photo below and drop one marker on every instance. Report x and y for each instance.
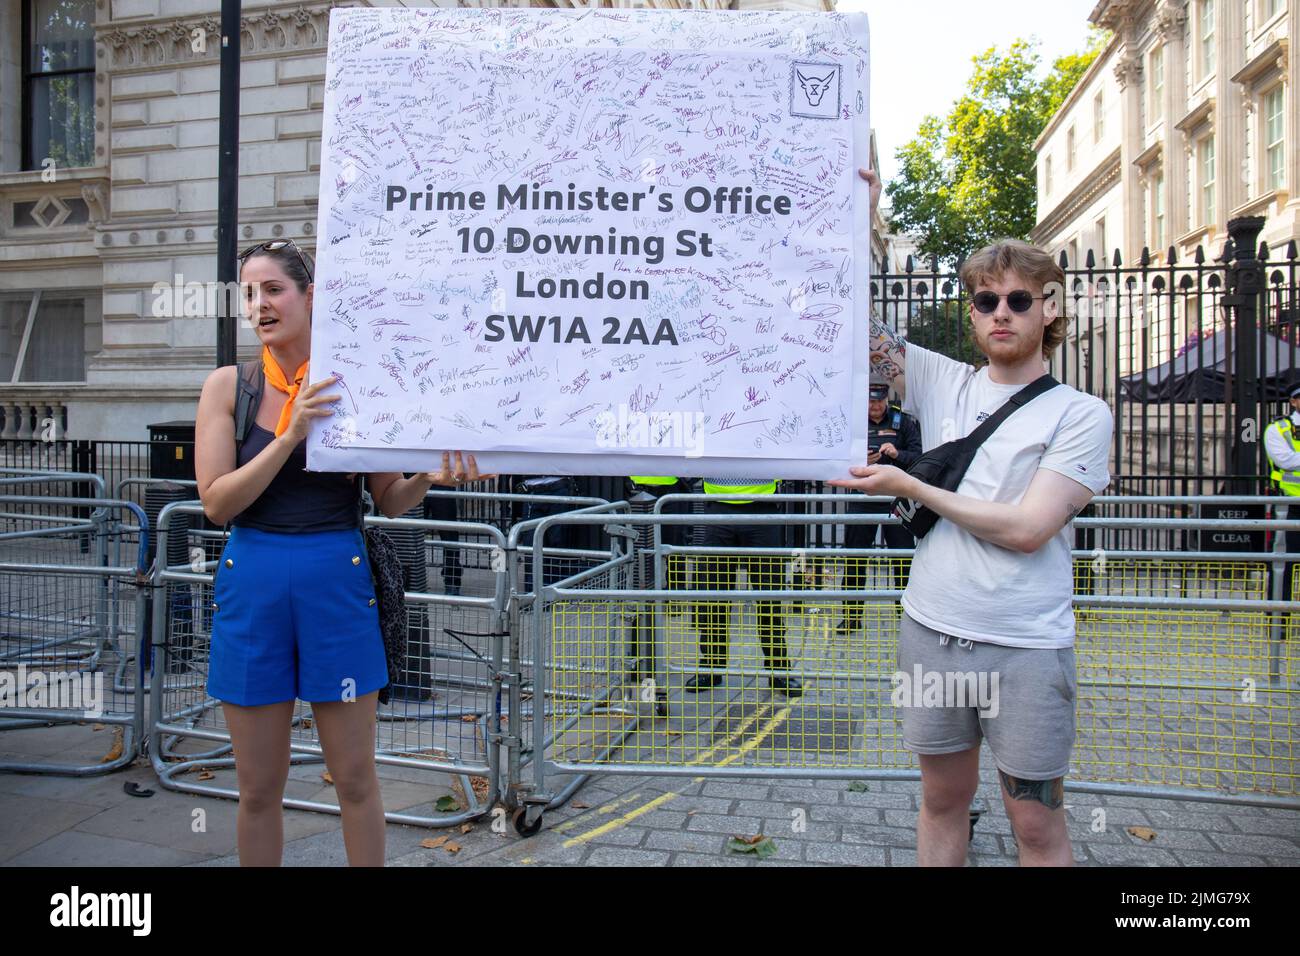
(1288, 482)
(652, 480)
(715, 487)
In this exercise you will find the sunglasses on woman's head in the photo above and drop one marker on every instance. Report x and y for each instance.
(1017, 301)
(275, 245)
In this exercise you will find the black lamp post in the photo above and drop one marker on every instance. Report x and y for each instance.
(228, 182)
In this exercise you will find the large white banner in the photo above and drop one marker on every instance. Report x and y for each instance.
(594, 242)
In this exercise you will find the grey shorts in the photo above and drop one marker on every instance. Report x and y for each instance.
(951, 693)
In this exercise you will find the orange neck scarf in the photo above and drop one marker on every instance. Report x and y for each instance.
(275, 377)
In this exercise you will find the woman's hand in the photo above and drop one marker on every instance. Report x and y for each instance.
(879, 480)
(452, 476)
(311, 403)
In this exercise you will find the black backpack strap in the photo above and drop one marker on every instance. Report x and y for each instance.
(249, 384)
(1017, 401)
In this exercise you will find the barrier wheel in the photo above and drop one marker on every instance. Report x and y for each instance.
(522, 826)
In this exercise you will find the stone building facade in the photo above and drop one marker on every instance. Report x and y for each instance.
(1189, 118)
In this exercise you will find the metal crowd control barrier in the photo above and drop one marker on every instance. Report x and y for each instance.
(1188, 687)
(531, 564)
(456, 734)
(456, 641)
(64, 621)
(10, 477)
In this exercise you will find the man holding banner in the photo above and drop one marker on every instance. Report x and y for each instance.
(991, 584)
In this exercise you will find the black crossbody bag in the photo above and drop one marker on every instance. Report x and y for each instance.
(382, 558)
(944, 467)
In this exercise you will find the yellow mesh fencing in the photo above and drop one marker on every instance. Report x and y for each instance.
(1196, 698)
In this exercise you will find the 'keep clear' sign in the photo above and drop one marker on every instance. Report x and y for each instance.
(594, 242)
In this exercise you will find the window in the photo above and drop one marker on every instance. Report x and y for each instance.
(1157, 73)
(58, 83)
(1102, 251)
(1070, 149)
(1274, 137)
(1073, 254)
(1205, 20)
(1205, 160)
(1098, 118)
(1268, 9)
(1158, 213)
(1047, 175)
(45, 337)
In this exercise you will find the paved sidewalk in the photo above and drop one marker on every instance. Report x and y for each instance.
(614, 820)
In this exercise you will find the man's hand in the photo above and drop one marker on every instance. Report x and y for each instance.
(876, 188)
(879, 480)
(888, 450)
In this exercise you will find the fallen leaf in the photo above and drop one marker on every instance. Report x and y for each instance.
(580, 806)
(466, 827)
(453, 848)
(1142, 833)
(760, 846)
(98, 726)
(446, 804)
(857, 786)
(327, 778)
(434, 842)
(115, 751)
(468, 718)
(205, 775)
(480, 786)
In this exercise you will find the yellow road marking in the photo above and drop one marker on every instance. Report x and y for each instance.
(698, 759)
(599, 811)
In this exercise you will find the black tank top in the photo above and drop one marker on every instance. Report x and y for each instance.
(297, 501)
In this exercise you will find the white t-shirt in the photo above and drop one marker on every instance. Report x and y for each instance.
(966, 586)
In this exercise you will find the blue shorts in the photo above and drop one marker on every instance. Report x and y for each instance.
(295, 616)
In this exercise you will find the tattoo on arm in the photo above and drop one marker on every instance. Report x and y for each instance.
(887, 350)
(1071, 513)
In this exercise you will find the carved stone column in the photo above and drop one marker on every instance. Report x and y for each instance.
(1171, 20)
(1293, 108)
(1128, 73)
(1239, 184)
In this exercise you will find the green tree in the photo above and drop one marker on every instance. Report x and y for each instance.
(968, 178)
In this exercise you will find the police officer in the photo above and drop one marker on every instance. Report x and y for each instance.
(1282, 443)
(718, 573)
(659, 486)
(440, 508)
(893, 438)
(675, 535)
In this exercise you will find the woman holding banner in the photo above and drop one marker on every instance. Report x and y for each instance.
(294, 607)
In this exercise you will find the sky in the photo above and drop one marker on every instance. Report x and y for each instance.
(921, 52)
